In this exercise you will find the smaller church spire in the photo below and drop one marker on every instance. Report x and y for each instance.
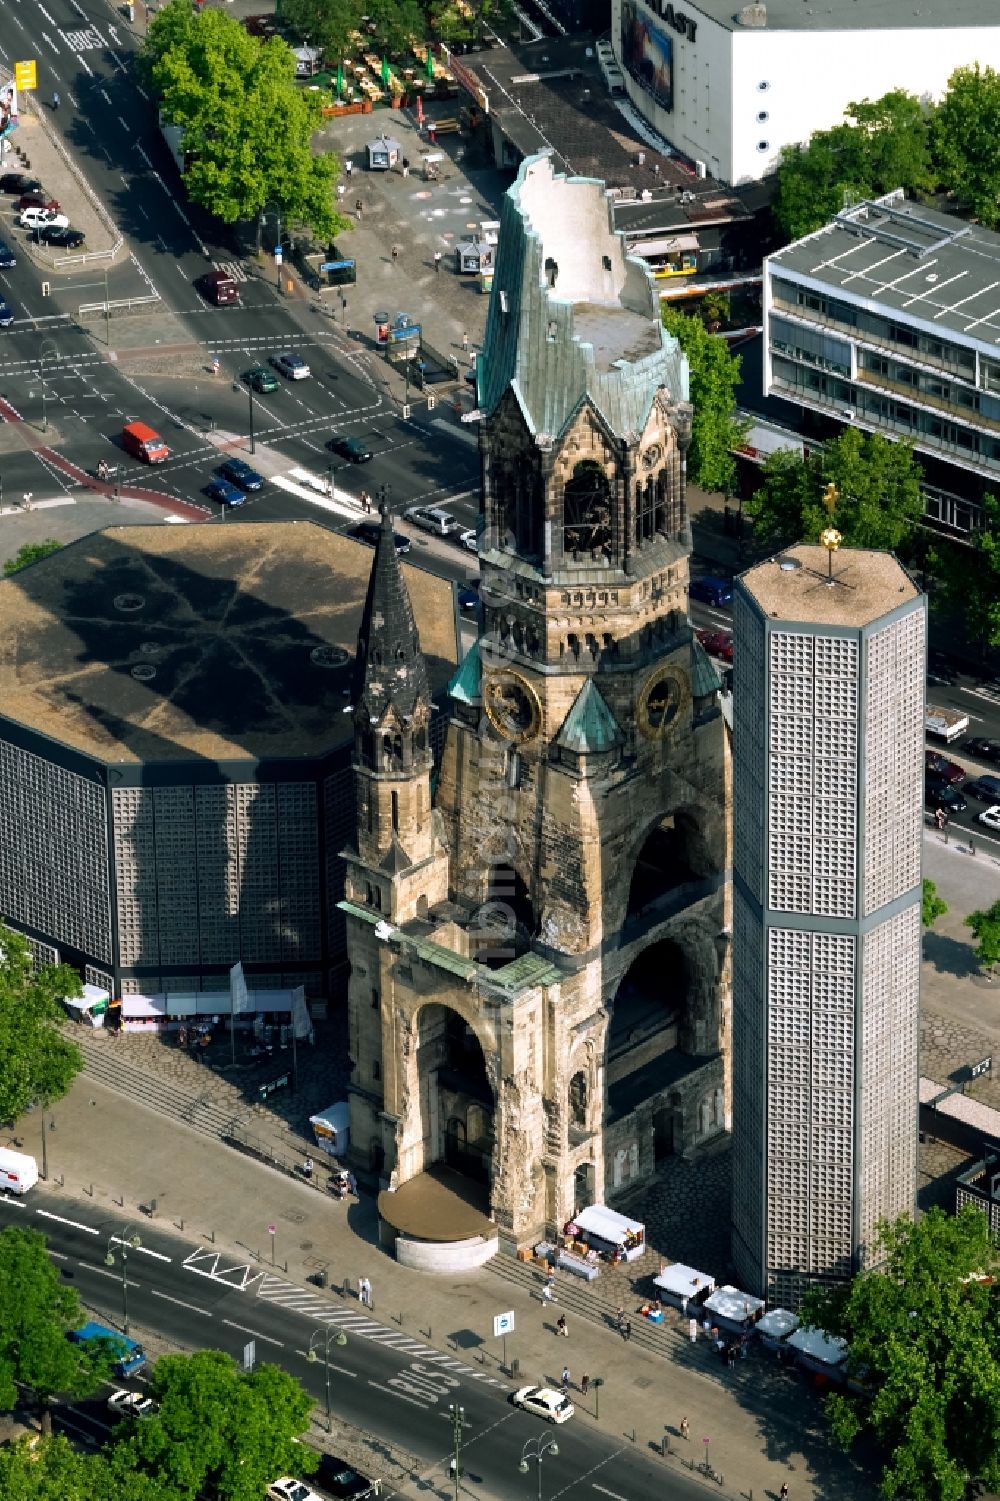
(389, 670)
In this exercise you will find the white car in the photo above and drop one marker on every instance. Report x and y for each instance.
(289, 1489)
(432, 519)
(128, 1404)
(469, 540)
(543, 1402)
(291, 366)
(991, 817)
(35, 218)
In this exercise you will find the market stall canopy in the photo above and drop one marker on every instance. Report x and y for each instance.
(777, 1324)
(603, 1222)
(733, 1305)
(680, 1281)
(92, 1004)
(815, 1344)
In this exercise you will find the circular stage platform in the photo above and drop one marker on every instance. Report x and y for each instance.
(437, 1222)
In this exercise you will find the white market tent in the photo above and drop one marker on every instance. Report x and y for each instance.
(818, 1349)
(733, 1307)
(91, 1006)
(604, 1224)
(679, 1282)
(776, 1325)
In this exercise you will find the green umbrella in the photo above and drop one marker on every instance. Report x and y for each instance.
(386, 75)
(430, 63)
(340, 79)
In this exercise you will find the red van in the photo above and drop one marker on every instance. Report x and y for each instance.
(220, 288)
(143, 443)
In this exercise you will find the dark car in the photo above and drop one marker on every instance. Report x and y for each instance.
(260, 379)
(240, 473)
(352, 449)
(986, 789)
(337, 1479)
(225, 493)
(19, 182)
(368, 532)
(948, 771)
(982, 749)
(7, 256)
(711, 590)
(468, 596)
(940, 794)
(717, 644)
(38, 199)
(6, 316)
(67, 239)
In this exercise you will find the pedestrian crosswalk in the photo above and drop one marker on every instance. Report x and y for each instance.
(235, 269)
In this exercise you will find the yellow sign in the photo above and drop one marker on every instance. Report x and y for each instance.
(26, 74)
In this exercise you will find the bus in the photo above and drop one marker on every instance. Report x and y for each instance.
(128, 1354)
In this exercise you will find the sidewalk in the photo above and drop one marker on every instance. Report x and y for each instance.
(767, 1428)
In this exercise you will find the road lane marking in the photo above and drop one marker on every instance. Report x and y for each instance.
(340, 1369)
(141, 1250)
(14, 1203)
(100, 1271)
(605, 1492)
(180, 1303)
(255, 1332)
(424, 1406)
(46, 1214)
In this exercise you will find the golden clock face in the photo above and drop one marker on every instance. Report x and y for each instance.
(665, 695)
(512, 706)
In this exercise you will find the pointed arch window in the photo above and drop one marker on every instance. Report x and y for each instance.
(587, 513)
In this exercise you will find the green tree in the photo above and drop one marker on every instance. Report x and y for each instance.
(247, 126)
(30, 553)
(973, 578)
(932, 906)
(924, 1336)
(814, 179)
(896, 130)
(37, 1063)
(878, 493)
(985, 926)
(218, 1429)
(392, 22)
(715, 374)
(326, 23)
(967, 141)
(45, 1469)
(39, 1310)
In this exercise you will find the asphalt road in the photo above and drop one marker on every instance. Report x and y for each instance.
(386, 1379)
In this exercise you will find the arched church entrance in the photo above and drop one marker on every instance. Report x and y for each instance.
(506, 918)
(673, 854)
(646, 1018)
(456, 1097)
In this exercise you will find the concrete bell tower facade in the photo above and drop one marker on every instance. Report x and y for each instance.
(560, 983)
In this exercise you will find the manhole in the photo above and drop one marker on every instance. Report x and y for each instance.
(129, 603)
(143, 672)
(329, 656)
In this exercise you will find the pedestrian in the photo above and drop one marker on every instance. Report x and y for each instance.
(783, 1493)
(549, 1290)
(693, 1331)
(358, 206)
(215, 365)
(584, 1384)
(465, 341)
(348, 168)
(307, 1169)
(361, 1290)
(685, 1429)
(26, 500)
(395, 254)
(627, 1331)
(55, 101)
(561, 1326)
(341, 190)
(565, 1378)
(406, 167)
(368, 1294)
(437, 260)
(352, 1184)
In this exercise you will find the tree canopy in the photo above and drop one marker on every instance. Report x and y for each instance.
(967, 141)
(388, 24)
(247, 126)
(218, 1429)
(924, 1335)
(715, 374)
(37, 1063)
(878, 485)
(932, 906)
(985, 925)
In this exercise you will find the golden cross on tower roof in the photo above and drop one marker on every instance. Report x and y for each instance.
(830, 497)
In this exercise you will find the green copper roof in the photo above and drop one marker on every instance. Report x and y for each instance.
(704, 678)
(522, 974)
(589, 727)
(466, 685)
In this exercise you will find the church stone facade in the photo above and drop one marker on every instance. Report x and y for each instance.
(538, 930)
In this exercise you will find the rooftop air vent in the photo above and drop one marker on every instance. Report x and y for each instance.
(753, 16)
(789, 565)
(328, 656)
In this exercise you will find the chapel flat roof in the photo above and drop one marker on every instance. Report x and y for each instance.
(235, 642)
(918, 263)
(848, 15)
(867, 585)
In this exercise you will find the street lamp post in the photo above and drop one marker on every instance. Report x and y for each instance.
(47, 346)
(328, 1335)
(457, 1424)
(125, 1241)
(534, 1452)
(250, 394)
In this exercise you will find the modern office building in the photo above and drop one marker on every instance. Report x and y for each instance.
(828, 818)
(729, 86)
(887, 319)
(175, 781)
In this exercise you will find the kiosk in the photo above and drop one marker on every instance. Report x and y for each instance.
(734, 1310)
(774, 1327)
(683, 1285)
(332, 1128)
(611, 1235)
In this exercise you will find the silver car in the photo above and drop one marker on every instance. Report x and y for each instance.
(290, 365)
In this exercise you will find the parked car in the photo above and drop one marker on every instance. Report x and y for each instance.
(543, 1402)
(337, 1479)
(469, 540)
(6, 315)
(369, 532)
(260, 379)
(985, 789)
(66, 239)
(34, 218)
(432, 519)
(711, 590)
(7, 256)
(949, 771)
(225, 493)
(355, 450)
(38, 199)
(289, 1489)
(126, 1404)
(991, 817)
(239, 473)
(290, 365)
(982, 748)
(468, 596)
(941, 794)
(717, 644)
(19, 182)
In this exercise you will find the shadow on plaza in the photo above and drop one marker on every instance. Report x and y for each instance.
(950, 956)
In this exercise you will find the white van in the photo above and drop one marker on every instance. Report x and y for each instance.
(18, 1172)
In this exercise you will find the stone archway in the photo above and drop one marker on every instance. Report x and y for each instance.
(456, 1096)
(649, 1019)
(673, 853)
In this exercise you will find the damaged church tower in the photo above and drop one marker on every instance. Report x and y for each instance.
(539, 992)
